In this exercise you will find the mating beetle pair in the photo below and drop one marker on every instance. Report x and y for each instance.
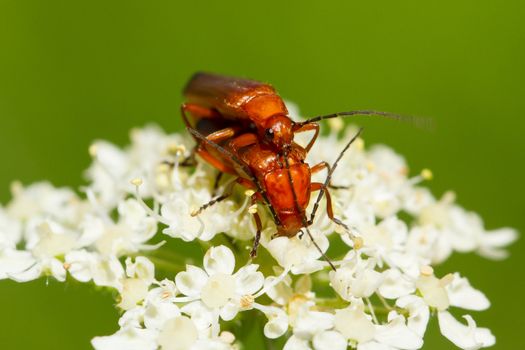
(242, 128)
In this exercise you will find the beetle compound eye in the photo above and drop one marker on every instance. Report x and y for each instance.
(269, 134)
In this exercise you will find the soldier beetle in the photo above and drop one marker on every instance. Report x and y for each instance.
(243, 128)
(254, 105)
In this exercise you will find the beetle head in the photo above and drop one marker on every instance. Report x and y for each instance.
(278, 132)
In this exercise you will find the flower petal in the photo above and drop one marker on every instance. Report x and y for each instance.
(396, 284)
(219, 260)
(493, 242)
(329, 340)
(397, 335)
(229, 311)
(14, 263)
(464, 336)
(354, 324)
(296, 343)
(248, 280)
(126, 339)
(179, 333)
(463, 295)
(277, 322)
(191, 281)
(419, 313)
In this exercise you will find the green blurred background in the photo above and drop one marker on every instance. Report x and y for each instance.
(74, 71)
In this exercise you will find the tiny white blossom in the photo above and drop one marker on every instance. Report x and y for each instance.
(464, 336)
(217, 286)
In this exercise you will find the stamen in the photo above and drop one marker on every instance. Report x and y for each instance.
(101, 212)
(201, 229)
(16, 188)
(246, 301)
(358, 242)
(93, 150)
(371, 309)
(137, 183)
(336, 124)
(275, 282)
(184, 299)
(427, 174)
(426, 270)
(360, 144)
(446, 280)
(252, 209)
(176, 149)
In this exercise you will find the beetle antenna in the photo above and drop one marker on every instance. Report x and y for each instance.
(420, 122)
(331, 171)
(303, 216)
(243, 167)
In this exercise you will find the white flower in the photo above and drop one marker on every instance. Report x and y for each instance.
(464, 230)
(42, 200)
(277, 323)
(466, 337)
(47, 242)
(393, 335)
(462, 294)
(17, 264)
(10, 230)
(354, 324)
(313, 326)
(429, 243)
(86, 266)
(418, 311)
(492, 243)
(356, 277)
(396, 284)
(177, 211)
(434, 290)
(128, 338)
(179, 333)
(299, 253)
(129, 235)
(217, 286)
(139, 276)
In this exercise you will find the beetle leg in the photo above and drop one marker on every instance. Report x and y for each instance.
(214, 161)
(227, 192)
(242, 141)
(308, 127)
(258, 224)
(223, 134)
(216, 182)
(198, 111)
(317, 186)
(324, 165)
(318, 167)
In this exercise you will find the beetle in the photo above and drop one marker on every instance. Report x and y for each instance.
(253, 105)
(281, 181)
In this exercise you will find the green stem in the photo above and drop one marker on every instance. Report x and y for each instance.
(337, 303)
(169, 256)
(166, 265)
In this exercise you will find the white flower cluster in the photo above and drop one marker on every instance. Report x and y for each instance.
(380, 297)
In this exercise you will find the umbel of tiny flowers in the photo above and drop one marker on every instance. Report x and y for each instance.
(116, 233)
